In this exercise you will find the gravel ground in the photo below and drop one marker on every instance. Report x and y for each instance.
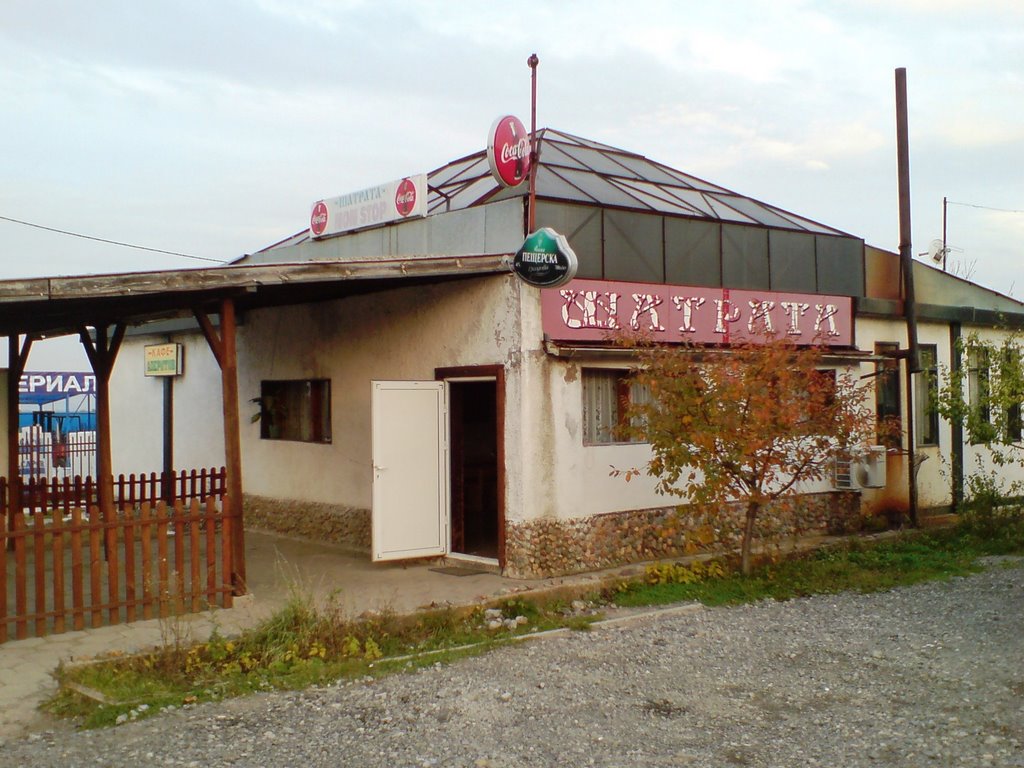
(931, 675)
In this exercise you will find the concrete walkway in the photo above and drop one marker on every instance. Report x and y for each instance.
(277, 568)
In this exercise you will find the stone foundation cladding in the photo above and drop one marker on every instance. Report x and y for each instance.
(542, 548)
(348, 527)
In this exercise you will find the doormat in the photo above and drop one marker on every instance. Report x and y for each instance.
(456, 570)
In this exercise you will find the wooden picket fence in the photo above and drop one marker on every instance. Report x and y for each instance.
(66, 565)
(64, 493)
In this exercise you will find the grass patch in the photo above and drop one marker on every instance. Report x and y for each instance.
(306, 644)
(857, 565)
(300, 646)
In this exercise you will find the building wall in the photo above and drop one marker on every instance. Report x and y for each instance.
(978, 458)
(400, 334)
(136, 408)
(493, 228)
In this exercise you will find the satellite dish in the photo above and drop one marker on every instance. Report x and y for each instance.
(936, 251)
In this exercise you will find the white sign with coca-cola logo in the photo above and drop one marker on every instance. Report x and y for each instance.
(401, 199)
(508, 151)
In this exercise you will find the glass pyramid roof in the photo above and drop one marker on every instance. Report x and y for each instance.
(579, 170)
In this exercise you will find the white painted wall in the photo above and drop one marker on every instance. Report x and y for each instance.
(934, 479)
(399, 334)
(973, 454)
(136, 408)
(406, 333)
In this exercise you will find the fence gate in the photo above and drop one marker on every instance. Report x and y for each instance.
(163, 548)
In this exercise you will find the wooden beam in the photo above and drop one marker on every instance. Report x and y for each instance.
(211, 335)
(222, 345)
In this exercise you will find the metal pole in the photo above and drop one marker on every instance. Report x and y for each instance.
(166, 481)
(532, 62)
(944, 250)
(907, 264)
(906, 249)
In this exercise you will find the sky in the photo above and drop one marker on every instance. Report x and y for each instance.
(210, 128)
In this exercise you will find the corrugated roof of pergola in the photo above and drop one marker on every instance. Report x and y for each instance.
(577, 170)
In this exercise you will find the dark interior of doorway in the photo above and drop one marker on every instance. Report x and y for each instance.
(474, 467)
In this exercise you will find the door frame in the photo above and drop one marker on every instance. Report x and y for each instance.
(495, 373)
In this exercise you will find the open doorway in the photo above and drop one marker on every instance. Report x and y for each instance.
(476, 405)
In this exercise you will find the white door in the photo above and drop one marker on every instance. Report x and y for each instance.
(410, 469)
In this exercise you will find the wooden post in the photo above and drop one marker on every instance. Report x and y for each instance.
(223, 347)
(102, 355)
(17, 356)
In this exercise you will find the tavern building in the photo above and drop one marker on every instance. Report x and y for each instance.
(426, 402)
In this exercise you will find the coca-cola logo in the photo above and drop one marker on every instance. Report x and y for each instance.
(318, 219)
(508, 151)
(405, 197)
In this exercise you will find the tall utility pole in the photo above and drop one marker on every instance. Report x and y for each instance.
(907, 264)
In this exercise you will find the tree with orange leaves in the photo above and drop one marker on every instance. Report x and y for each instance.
(750, 424)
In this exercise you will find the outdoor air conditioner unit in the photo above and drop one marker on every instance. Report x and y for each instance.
(863, 471)
(871, 468)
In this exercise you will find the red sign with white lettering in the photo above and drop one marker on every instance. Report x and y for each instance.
(405, 197)
(318, 219)
(508, 151)
(598, 310)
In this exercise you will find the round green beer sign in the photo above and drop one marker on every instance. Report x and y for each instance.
(545, 259)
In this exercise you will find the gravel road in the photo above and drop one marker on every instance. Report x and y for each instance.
(931, 675)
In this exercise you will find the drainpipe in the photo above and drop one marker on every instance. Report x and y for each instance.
(907, 265)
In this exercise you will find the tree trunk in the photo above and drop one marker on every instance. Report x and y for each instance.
(748, 535)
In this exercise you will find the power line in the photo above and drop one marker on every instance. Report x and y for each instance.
(111, 242)
(983, 207)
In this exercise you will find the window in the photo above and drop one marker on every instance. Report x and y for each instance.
(607, 394)
(296, 410)
(979, 392)
(926, 384)
(888, 416)
(1011, 377)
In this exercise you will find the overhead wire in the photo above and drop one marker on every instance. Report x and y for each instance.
(111, 242)
(983, 207)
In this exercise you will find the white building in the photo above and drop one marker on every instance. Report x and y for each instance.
(454, 409)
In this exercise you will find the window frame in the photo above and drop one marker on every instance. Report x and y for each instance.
(979, 391)
(277, 403)
(627, 391)
(926, 391)
(1011, 356)
(887, 382)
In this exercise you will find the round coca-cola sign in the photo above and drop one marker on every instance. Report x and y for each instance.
(318, 219)
(508, 151)
(405, 197)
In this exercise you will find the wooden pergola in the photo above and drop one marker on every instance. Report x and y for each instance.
(100, 308)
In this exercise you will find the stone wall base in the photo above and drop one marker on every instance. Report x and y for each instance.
(542, 548)
(348, 527)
